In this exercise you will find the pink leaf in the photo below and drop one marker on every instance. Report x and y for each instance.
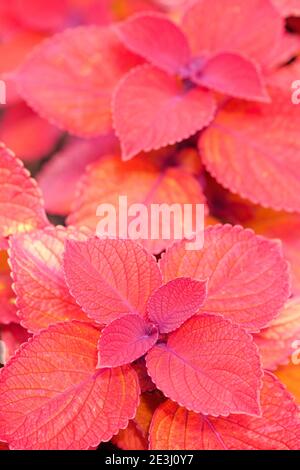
(250, 28)
(110, 278)
(152, 109)
(276, 343)
(175, 302)
(125, 340)
(246, 146)
(42, 295)
(248, 278)
(69, 79)
(60, 175)
(234, 75)
(209, 365)
(143, 181)
(53, 398)
(278, 428)
(154, 37)
(21, 204)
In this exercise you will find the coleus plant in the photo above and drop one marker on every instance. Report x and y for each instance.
(162, 82)
(102, 341)
(97, 306)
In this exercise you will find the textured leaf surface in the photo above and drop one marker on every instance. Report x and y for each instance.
(278, 428)
(153, 109)
(110, 278)
(249, 144)
(276, 342)
(247, 276)
(208, 365)
(251, 28)
(175, 302)
(142, 181)
(157, 40)
(125, 340)
(42, 294)
(21, 205)
(70, 78)
(52, 397)
(234, 75)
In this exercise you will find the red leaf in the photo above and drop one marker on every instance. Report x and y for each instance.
(20, 129)
(278, 428)
(60, 175)
(209, 365)
(8, 311)
(12, 336)
(270, 151)
(42, 295)
(276, 342)
(234, 75)
(21, 205)
(247, 276)
(52, 396)
(175, 302)
(251, 28)
(153, 109)
(125, 340)
(69, 79)
(110, 278)
(142, 181)
(157, 39)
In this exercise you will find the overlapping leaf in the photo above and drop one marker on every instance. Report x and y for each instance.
(156, 39)
(42, 294)
(142, 181)
(70, 78)
(63, 402)
(251, 28)
(247, 275)
(175, 302)
(110, 278)
(152, 109)
(278, 428)
(124, 340)
(21, 205)
(208, 365)
(254, 151)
